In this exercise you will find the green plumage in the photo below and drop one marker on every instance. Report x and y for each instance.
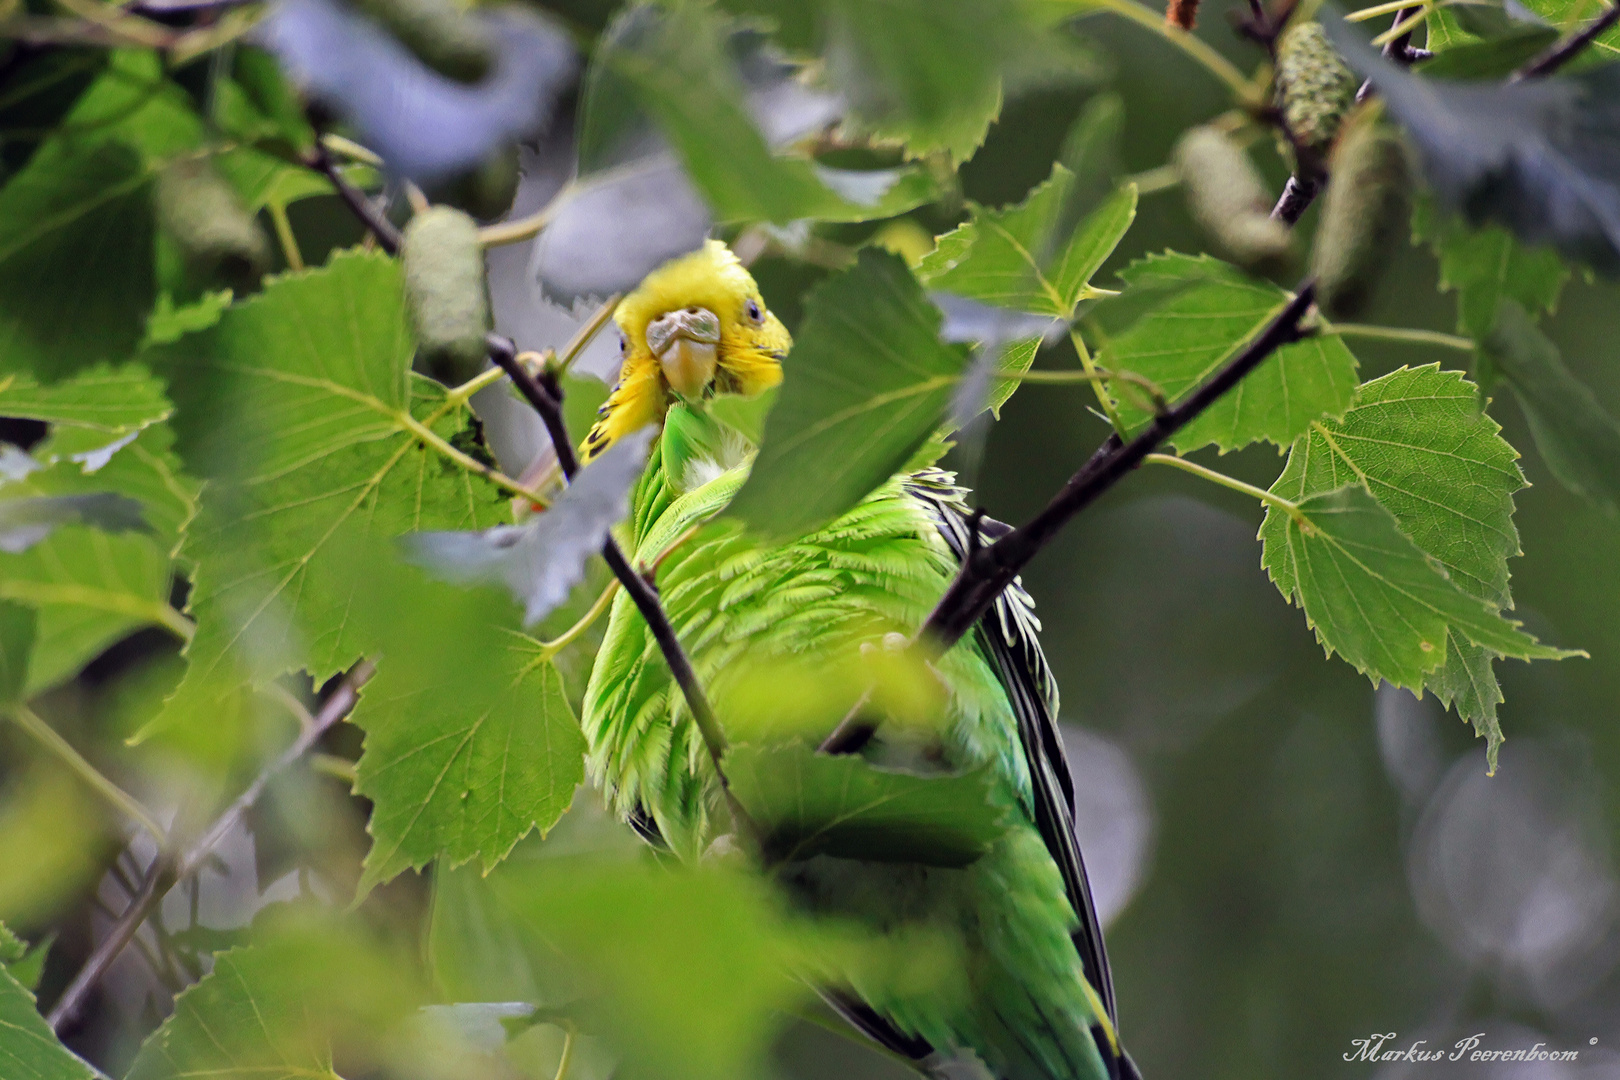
(736, 604)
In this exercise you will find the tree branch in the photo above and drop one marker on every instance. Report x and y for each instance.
(547, 401)
(388, 237)
(992, 568)
(171, 867)
(1562, 52)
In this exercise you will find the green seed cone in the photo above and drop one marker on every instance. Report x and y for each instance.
(444, 285)
(216, 235)
(1314, 87)
(1228, 197)
(439, 33)
(1365, 216)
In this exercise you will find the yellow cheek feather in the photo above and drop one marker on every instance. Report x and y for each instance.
(749, 360)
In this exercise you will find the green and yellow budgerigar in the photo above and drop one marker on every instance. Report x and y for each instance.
(1038, 1002)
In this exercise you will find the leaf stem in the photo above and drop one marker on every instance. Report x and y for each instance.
(557, 644)
(1225, 481)
(1097, 375)
(285, 236)
(432, 440)
(1195, 47)
(171, 867)
(566, 1058)
(117, 797)
(511, 232)
(460, 395)
(1090, 370)
(1405, 334)
(587, 333)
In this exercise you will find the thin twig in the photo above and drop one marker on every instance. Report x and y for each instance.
(993, 567)
(547, 401)
(117, 797)
(587, 333)
(1563, 52)
(171, 867)
(388, 237)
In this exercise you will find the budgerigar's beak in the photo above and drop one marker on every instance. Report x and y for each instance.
(686, 343)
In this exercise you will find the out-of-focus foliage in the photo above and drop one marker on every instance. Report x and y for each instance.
(214, 480)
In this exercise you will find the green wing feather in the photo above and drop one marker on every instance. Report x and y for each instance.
(1028, 1012)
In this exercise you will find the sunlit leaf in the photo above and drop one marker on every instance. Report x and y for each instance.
(1578, 439)
(995, 256)
(332, 348)
(1208, 312)
(867, 381)
(816, 804)
(114, 400)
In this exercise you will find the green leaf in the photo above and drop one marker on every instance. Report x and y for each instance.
(867, 381)
(112, 400)
(1208, 313)
(1572, 15)
(76, 277)
(283, 1009)
(1493, 59)
(1417, 439)
(995, 256)
(471, 742)
(16, 641)
(677, 64)
(140, 466)
(1578, 439)
(330, 347)
(29, 1050)
(816, 804)
(1486, 266)
(1373, 596)
(688, 968)
(88, 589)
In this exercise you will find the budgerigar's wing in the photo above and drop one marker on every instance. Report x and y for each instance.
(1008, 633)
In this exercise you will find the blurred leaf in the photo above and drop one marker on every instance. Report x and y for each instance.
(582, 396)
(679, 68)
(1571, 15)
(89, 589)
(816, 804)
(140, 466)
(332, 348)
(542, 560)
(76, 277)
(1208, 313)
(283, 1009)
(691, 965)
(51, 839)
(1417, 439)
(16, 641)
(170, 322)
(424, 125)
(1579, 441)
(993, 257)
(29, 1050)
(1536, 155)
(992, 331)
(1494, 59)
(1373, 596)
(114, 400)
(26, 521)
(1487, 265)
(867, 381)
(470, 739)
(29, 968)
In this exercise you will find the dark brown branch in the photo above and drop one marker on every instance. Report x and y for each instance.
(388, 237)
(1297, 196)
(992, 568)
(1562, 52)
(171, 867)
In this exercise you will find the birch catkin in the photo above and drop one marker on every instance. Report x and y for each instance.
(1314, 87)
(1365, 216)
(444, 287)
(216, 234)
(1228, 197)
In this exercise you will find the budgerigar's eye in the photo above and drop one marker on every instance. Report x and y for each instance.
(624, 345)
(754, 312)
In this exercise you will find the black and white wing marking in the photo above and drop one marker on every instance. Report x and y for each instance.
(1009, 634)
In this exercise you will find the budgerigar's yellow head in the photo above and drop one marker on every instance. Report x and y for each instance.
(695, 327)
